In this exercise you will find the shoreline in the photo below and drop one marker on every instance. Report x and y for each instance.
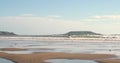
(41, 57)
(64, 39)
(13, 49)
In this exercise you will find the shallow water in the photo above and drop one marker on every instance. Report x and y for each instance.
(5, 61)
(69, 61)
(68, 47)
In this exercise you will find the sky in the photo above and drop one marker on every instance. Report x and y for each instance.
(42, 17)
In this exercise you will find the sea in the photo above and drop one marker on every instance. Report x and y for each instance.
(33, 46)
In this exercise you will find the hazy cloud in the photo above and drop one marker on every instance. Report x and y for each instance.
(27, 15)
(39, 25)
(107, 17)
(52, 25)
(54, 16)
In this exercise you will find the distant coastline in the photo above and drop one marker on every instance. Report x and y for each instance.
(69, 35)
(6, 33)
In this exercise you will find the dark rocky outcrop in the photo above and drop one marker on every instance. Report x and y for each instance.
(5, 33)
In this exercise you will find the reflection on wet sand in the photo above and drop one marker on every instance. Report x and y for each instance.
(41, 57)
(38, 51)
(69, 61)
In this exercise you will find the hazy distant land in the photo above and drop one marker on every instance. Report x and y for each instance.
(71, 33)
(6, 33)
(23, 48)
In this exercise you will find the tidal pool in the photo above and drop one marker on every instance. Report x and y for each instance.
(70, 61)
(2, 60)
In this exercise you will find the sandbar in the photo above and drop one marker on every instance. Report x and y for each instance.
(41, 57)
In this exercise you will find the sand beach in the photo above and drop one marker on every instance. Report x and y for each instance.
(60, 50)
(41, 57)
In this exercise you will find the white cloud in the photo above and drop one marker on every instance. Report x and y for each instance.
(107, 17)
(27, 15)
(54, 16)
(104, 18)
(40, 25)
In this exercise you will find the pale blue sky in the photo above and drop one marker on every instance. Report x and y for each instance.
(35, 16)
(67, 8)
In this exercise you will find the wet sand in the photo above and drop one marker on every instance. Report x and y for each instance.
(12, 49)
(110, 61)
(40, 57)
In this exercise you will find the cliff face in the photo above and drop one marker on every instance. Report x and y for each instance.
(5, 33)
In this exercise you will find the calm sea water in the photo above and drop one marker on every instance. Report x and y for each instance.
(69, 61)
(68, 47)
(5, 61)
